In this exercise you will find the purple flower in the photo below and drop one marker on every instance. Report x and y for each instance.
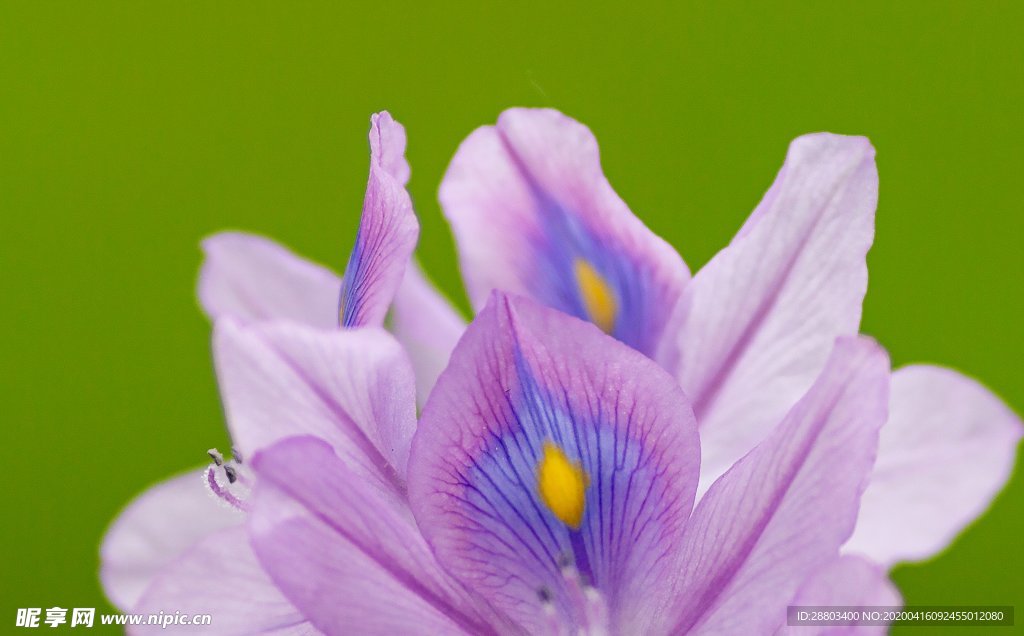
(534, 215)
(550, 482)
(549, 489)
(752, 330)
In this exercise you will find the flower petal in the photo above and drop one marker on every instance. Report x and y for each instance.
(154, 529)
(353, 388)
(428, 327)
(387, 146)
(387, 231)
(534, 215)
(547, 443)
(783, 510)
(848, 581)
(252, 278)
(756, 324)
(948, 448)
(348, 553)
(221, 577)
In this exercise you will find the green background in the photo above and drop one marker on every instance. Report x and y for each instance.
(128, 131)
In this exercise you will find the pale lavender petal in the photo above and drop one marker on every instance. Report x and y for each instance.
(252, 278)
(348, 553)
(534, 215)
(848, 581)
(427, 325)
(387, 231)
(783, 510)
(756, 324)
(221, 577)
(948, 448)
(353, 388)
(527, 384)
(155, 529)
(387, 146)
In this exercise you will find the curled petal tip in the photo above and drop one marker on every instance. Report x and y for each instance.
(387, 146)
(387, 234)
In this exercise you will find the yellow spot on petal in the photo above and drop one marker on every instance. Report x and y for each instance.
(562, 484)
(598, 298)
